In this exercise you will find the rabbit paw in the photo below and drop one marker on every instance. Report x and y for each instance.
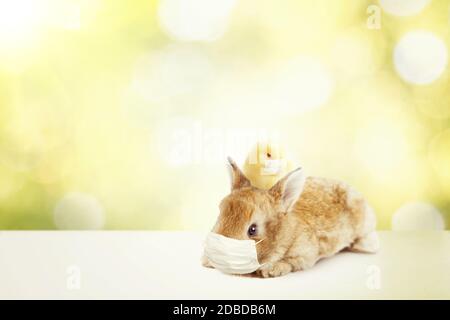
(206, 263)
(367, 244)
(276, 269)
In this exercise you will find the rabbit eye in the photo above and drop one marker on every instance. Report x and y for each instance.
(252, 230)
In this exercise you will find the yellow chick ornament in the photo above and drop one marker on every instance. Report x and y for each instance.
(266, 164)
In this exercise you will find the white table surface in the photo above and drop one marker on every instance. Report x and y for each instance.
(165, 265)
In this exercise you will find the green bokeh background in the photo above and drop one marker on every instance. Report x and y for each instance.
(76, 116)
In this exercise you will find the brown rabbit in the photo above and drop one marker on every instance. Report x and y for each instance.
(301, 219)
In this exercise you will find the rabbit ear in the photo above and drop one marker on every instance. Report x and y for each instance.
(238, 180)
(288, 189)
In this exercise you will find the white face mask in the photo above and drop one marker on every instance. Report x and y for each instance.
(231, 255)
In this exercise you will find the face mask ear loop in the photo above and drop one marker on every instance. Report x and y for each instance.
(260, 241)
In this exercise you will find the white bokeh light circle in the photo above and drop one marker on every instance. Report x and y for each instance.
(195, 20)
(78, 211)
(417, 216)
(171, 72)
(74, 15)
(304, 84)
(403, 8)
(420, 57)
(19, 23)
